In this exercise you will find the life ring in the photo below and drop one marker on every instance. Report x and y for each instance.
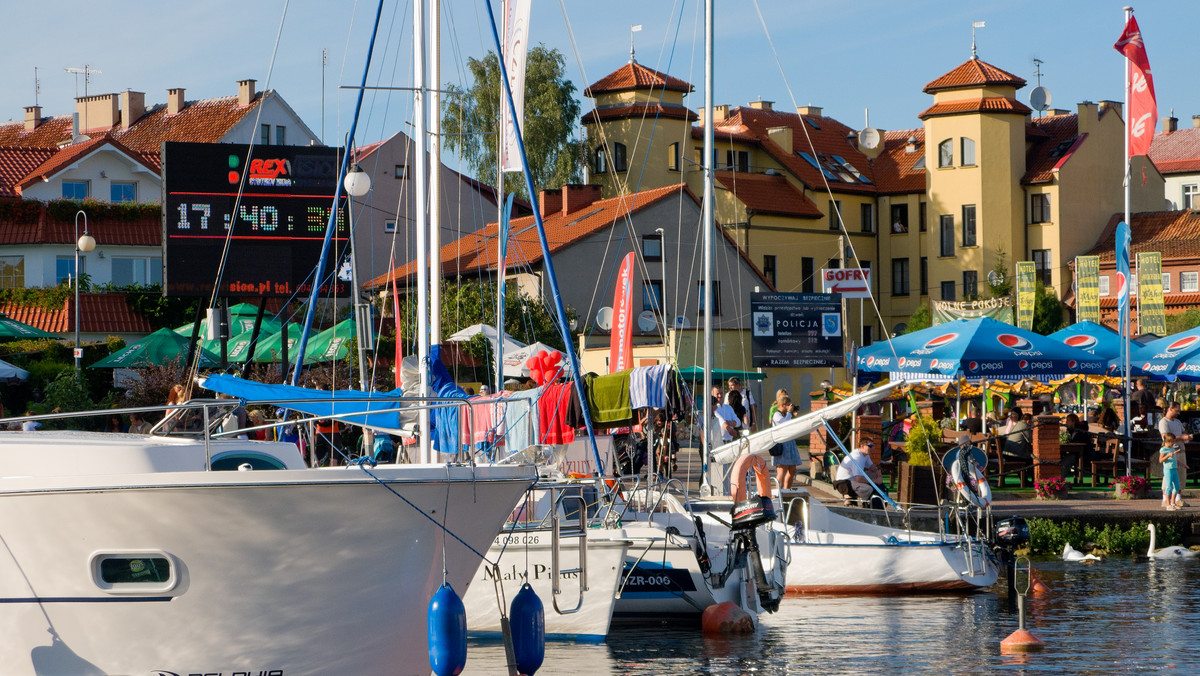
(761, 476)
(981, 496)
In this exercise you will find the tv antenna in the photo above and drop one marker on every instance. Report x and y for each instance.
(974, 25)
(37, 86)
(1039, 98)
(87, 72)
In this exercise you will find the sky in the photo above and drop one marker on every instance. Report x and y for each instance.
(854, 58)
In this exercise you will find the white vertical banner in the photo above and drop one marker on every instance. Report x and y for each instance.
(516, 39)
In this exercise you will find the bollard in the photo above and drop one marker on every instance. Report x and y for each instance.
(1021, 640)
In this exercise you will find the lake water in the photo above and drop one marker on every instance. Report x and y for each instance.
(1114, 616)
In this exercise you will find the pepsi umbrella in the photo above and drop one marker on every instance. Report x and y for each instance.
(1176, 356)
(976, 348)
(1090, 337)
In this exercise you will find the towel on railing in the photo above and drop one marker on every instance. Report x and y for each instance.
(608, 399)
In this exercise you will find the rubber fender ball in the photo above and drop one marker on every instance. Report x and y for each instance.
(447, 632)
(528, 621)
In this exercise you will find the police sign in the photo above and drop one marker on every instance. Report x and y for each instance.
(796, 329)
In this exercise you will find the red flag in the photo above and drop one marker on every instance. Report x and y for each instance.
(620, 351)
(1143, 109)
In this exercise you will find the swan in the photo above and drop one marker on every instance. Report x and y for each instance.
(1072, 554)
(1167, 552)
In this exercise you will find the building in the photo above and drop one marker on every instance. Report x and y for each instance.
(1176, 153)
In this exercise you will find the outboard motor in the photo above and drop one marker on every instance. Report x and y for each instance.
(751, 512)
(1011, 534)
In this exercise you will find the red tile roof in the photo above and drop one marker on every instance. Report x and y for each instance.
(894, 172)
(973, 73)
(98, 313)
(49, 134)
(72, 153)
(764, 194)
(1176, 234)
(634, 75)
(989, 104)
(1057, 142)
(1176, 152)
(16, 163)
(650, 110)
(43, 228)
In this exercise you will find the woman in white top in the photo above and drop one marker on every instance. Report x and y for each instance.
(789, 456)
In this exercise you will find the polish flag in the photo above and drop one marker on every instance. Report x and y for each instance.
(1143, 109)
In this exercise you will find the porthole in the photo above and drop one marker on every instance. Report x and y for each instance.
(136, 572)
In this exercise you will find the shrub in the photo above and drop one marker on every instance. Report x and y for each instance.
(1048, 537)
(925, 431)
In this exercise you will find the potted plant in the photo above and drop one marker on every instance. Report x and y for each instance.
(918, 481)
(1130, 487)
(1051, 489)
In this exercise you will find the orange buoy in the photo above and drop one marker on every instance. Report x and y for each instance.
(1038, 587)
(726, 618)
(1021, 641)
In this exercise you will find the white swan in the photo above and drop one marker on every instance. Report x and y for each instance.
(1072, 554)
(1167, 552)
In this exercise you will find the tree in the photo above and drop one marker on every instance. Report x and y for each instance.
(1003, 286)
(1047, 311)
(921, 319)
(471, 121)
(1182, 321)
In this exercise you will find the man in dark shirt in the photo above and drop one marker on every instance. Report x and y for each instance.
(1144, 397)
(973, 423)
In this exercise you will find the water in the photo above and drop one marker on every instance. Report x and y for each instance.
(1114, 616)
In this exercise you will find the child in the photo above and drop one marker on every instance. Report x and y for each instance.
(1170, 480)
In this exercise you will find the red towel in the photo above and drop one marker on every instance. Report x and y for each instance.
(555, 416)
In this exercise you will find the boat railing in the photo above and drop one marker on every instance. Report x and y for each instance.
(579, 532)
(631, 485)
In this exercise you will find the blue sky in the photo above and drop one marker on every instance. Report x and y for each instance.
(846, 56)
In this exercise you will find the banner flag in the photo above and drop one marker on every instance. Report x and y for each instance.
(1000, 309)
(1143, 108)
(1026, 288)
(1087, 289)
(1122, 239)
(516, 44)
(1152, 317)
(620, 350)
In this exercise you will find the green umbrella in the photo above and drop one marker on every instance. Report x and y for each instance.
(11, 328)
(270, 349)
(331, 344)
(241, 321)
(237, 348)
(158, 348)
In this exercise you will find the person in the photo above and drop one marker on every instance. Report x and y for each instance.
(728, 420)
(327, 442)
(899, 226)
(974, 423)
(30, 425)
(786, 462)
(1109, 419)
(138, 424)
(734, 400)
(779, 394)
(1171, 424)
(114, 425)
(1144, 398)
(1018, 438)
(484, 390)
(1169, 454)
(665, 445)
(735, 385)
(851, 479)
(256, 419)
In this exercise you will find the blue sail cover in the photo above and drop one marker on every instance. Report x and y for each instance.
(318, 403)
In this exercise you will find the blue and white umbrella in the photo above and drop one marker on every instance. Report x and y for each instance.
(1174, 357)
(1092, 338)
(977, 348)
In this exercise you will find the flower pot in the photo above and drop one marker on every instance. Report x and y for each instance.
(918, 485)
(1122, 492)
(1060, 494)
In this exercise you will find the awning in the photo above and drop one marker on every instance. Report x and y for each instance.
(693, 373)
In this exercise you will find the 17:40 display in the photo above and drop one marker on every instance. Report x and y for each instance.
(257, 220)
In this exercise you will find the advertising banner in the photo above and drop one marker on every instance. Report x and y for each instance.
(620, 349)
(796, 329)
(1152, 317)
(1087, 289)
(1000, 309)
(850, 282)
(1026, 287)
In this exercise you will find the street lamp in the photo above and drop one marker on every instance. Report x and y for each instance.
(358, 184)
(84, 243)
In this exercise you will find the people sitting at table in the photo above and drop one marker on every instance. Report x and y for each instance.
(974, 423)
(1017, 437)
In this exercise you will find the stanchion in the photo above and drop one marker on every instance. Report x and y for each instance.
(1021, 640)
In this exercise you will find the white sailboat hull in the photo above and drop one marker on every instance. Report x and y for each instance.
(288, 571)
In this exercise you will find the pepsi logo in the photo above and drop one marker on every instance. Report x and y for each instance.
(1071, 364)
(1014, 342)
(941, 340)
(933, 363)
(1182, 344)
(1121, 284)
(1023, 365)
(973, 366)
(1146, 366)
(870, 361)
(902, 360)
(1081, 342)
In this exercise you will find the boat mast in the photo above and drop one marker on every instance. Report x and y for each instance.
(707, 224)
(499, 346)
(420, 219)
(435, 172)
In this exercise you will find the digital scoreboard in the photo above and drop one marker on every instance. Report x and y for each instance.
(278, 225)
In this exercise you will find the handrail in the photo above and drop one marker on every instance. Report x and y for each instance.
(556, 535)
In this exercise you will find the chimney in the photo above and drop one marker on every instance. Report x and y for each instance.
(175, 101)
(33, 117)
(1170, 124)
(245, 92)
(1088, 112)
(911, 146)
(74, 126)
(1196, 122)
(576, 197)
(133, 107)
(97, 112)
(811, 110)
(550, 201)
(782, 136)
(1054, 112)
(762, 105)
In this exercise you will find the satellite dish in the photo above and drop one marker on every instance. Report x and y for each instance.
(604, 318)
(995, 278)
(682, 322)
(899, 329)
(1039, 98)
(646, 321)
(869, 138)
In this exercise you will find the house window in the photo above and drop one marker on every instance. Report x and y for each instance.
(64, 268)
(652, 247)
(968, 223)
(123, 192)
(264, 134)
(924, 276)
(947, 290)
(835, 208)
(899, 276)
(946, 233)
(673, 157)
(652, 295)
(402, 172)
(280, 135)
(139, 271)
(75, 190)
(619, 157)
(1041, 264)
(1189, 282)
(899, 218)
(769, 269)
(716, 297)
(738, 160)
(946, 153)
(970, 284)
(1189, 196)
(968, 152)
(922, 216)
(599, 161)
(1039, 208)
(1103, 285)
(389, 226)
(867, 211)
(807, 274)
(12, 272)
(1166, 282)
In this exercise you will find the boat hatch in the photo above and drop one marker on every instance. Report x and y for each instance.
(232, 460)
(137, 572)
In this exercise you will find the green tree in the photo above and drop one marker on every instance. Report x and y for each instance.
(921, 319)
(1188, 319)
(1003, 277)
(471, 121)
(1048, 311)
